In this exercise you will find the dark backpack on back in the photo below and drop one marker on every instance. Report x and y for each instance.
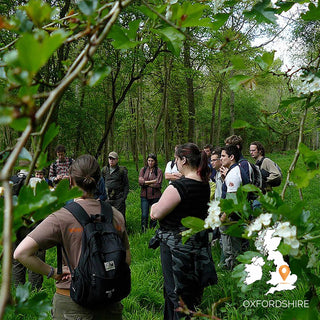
(18, 182)
(255, 175)
(102, 275)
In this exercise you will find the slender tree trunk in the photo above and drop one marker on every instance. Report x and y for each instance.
(297, 153)
(219, 116)
(190, 91)
(213, 113)
(232, 112)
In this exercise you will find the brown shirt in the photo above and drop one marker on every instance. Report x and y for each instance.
(61, 227)
(152, 191)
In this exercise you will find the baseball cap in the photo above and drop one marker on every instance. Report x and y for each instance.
(113, 154)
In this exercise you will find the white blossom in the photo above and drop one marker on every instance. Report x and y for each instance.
(283, 229)
(263, 220)
(213, 218)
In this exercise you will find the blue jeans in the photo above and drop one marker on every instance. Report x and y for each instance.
(145, 208)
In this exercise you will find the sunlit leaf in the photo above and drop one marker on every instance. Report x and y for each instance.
(98, 75)
(265, 61)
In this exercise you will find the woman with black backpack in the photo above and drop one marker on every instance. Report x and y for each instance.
(62, 228)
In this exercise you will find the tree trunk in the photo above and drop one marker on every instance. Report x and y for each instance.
(232, 112)
(213, 113)
(190, 91)
(219, 116)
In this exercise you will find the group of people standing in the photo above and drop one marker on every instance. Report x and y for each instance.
(187, 268)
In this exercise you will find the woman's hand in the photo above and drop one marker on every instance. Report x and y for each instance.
(64, 276)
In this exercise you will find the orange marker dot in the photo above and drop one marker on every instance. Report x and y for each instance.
(284, 271)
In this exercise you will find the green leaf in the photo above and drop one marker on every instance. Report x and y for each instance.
(146, 11)
(265, 61)
(239, 80)
(64, 193)
(241, 124)
(193, 223)
(247, 256)
(88, 7)
(312, 14)
(22, 293)
(50, 134)
(262, 12)
(173, 37)
(302, 177)
(310, 158)
(98, 75)
(42, 160)
(238, 62)
(34, 50)
(219, 20)
(289, 101)
(19, 124)
(38, 11)
(120, 38)
(284, 248)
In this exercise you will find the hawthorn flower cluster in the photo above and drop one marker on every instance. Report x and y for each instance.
(283, 230)
(213, 218)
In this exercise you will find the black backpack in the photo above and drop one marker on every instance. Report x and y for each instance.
(18, 181)
(255, 175)
(102, 275)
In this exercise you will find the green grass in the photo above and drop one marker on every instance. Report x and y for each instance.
(145, 301)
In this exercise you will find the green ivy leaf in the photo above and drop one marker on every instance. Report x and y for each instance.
(88, 7)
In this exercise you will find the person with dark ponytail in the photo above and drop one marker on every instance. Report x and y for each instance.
(150, 180)
(61, 227)
(187, 268)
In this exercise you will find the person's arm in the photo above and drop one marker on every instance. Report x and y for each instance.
(141, 178)
(168, 201)
(25, 254)
(273, 172)
(156, 183)
(52, 173)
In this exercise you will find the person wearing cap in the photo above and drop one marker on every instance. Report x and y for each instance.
(116, 183)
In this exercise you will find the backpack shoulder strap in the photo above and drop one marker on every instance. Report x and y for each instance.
(78, 212)
(106, 211)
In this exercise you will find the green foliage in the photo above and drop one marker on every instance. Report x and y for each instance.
(27, 304)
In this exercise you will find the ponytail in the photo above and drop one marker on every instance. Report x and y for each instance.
(203, 168)
(196, 159)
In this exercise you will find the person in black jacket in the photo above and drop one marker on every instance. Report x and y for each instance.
(116, 183)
